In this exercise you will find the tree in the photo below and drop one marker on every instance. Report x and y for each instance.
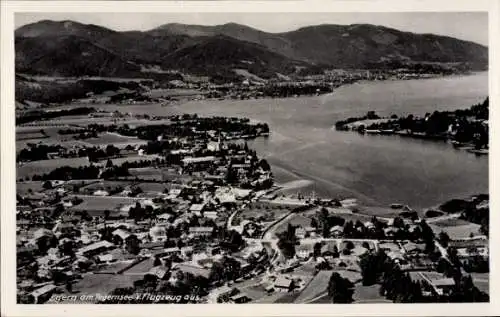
(157, 261)
(398, 223)
(444, 239)
(372, 267)
(109, 163)
(287, 241)
(264, 165)
(231, 175)
(47, 185)
(317, 249)
(132, 245)
(314, 223)
(340, 289)
(106, 214)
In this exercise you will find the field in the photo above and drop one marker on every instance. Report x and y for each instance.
(75, 120)
(458, 232)
(104, 185)
(140, 268)
(158, 93)
(114, 139)
(152, 187)
(316, 287)
(103, 284)
(134, 158)
(482, 281)
(24, 187)
(114, 268)
(296, 220)
(379, 211)
(368, 294)
(450, 222)
(45, 166)
(147, 173)
(270, 213)
(30, 135)
(96, 205)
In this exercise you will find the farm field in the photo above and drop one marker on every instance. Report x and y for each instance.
(379, 211)
(482, 281)
(368, 294)
(296, 220)
(114, 138)
(104, 283)
(96, 205)
(452, 222)
(317, 286)
(147, 173)
(35, 135)
(140, 268)
(45, 166)
(22, 188)
(106, 185)
(458, 232)
(158, 93)
(133, 158)
(152, 187)
(270, 213)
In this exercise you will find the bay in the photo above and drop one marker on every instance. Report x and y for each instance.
(378, 170)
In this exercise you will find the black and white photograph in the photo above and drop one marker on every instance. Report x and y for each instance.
(251, 157)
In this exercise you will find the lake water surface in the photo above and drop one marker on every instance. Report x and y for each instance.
(378, 170)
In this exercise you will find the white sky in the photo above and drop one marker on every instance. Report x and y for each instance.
(471, 26)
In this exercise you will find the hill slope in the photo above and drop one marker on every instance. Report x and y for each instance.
(69, 56)
(219, 53)
(67, 47)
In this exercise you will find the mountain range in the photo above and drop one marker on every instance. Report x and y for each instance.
(69, 48)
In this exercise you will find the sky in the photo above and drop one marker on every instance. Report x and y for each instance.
(470, 26)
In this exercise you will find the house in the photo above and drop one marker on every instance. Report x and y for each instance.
(300, 233)
(369, 225)
(120, 236)
(396, 256)
(283, 284)
(197, 209)
(101, 192)
(224, 293)
(414, 249)
(336, 231)
(240, 298)
(43, 294)
(174, 193)
(329, 250)
(201, 231)
(157, 272)
(42, 233)
(210, 214)
(195, 270)
(303, 251)
(213, 146)
(64, 228)
(169, 252)
(440, 284)
(311, 231)
(158, 233)
(198, 161)
(187, 251)
(95, 248)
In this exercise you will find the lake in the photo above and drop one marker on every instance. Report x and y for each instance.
(378, 170)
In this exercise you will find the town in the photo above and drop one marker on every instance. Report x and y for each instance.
(121, 208)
